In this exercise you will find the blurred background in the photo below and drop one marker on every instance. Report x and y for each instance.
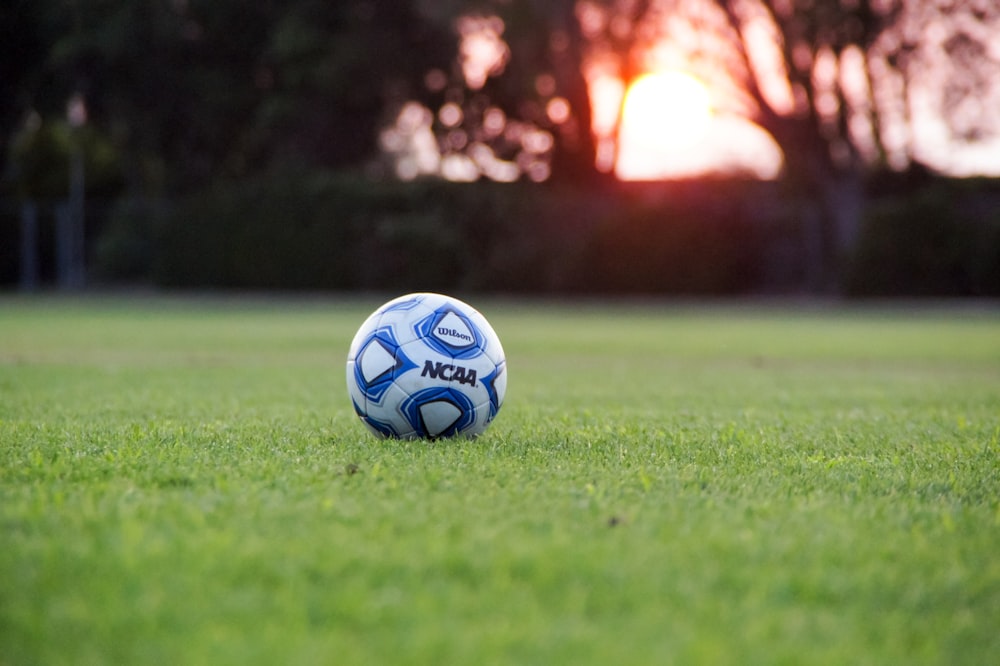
(689, 147)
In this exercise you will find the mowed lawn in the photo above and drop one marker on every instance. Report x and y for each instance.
(183, 481)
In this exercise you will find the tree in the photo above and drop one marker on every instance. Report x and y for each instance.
(823, 158)
(198, 90)
(512, 103)
(832, 81)
(329, 70)
(552, 26)
(764, 61)
(20, 42)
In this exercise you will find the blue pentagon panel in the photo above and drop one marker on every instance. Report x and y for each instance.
(388, 412)
(380, 427)
(362, 336)
(402, 304)
(451, 332)
(401, 316)
(491, 341)
(496, 386)
(439, 412)
(355, 390)
(357, 408)
(378, 362)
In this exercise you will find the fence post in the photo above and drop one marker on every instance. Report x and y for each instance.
(64, 246)
(77, 222)
(29, 247)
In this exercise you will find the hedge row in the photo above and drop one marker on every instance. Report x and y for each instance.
(335, 233)
(943, 240)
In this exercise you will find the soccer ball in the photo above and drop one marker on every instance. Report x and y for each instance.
(426, 366)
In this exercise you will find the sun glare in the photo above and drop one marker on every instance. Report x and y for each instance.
(664, 116)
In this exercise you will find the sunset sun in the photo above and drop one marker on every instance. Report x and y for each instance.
(664, 116)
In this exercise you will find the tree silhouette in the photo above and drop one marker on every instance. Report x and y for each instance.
(832, 81)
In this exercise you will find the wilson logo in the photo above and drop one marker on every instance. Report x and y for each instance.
(452, 333)
(449, 373)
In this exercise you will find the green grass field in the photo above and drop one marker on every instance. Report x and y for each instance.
(183, 481)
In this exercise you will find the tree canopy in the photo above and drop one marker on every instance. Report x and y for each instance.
(187, 91)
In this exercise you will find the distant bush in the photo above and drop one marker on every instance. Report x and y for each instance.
(127, 245)
(342, 233)
(943, 240)
(333, 232)
(686, 240)
(326, 231)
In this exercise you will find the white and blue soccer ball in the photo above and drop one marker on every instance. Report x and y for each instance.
(426, 366)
